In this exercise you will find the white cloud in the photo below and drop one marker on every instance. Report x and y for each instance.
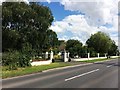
(77, 25)
(80, 29)
(97, 12)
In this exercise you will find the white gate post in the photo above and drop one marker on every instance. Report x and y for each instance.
(98, 55)
(65, 56)
(51, 55)
(68, 54)
(105, 54)
(46, 55)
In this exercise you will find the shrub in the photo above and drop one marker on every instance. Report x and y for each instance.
(15, 59)
(10, 59)
(57, 57)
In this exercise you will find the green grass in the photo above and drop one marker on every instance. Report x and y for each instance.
(30, 70)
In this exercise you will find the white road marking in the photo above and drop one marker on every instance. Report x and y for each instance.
(109, 66)
(81, 75)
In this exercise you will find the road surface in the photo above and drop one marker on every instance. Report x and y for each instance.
(97, 75)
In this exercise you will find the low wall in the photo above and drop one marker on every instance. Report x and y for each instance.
(114, 56)
(36, 63)
(84, 59)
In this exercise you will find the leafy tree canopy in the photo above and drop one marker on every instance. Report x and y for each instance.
(23, 23)
(74, 47)
(100, 42)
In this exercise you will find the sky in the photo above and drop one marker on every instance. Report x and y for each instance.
(78, 19)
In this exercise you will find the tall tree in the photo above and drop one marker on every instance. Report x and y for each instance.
(30, 21)
(24, 28)
(100, 42)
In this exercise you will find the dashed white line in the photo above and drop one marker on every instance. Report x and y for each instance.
(109, 66)
(81, 75)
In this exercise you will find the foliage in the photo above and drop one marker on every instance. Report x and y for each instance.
(83, 52)
(51, 40)
(56, 57)
(23, 23)
(15, 59)
(62, 45)
(73, 46)
(113, 50)
(25, 31)
(10, 59)
(100, 42)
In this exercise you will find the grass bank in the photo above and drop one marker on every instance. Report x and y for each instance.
(34, 69)
(30, 70)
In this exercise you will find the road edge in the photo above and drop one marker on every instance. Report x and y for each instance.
(59, 68)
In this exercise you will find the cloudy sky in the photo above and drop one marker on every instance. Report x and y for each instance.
(78, 19)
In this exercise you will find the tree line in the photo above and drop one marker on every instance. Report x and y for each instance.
(99, 42)
(26, 34)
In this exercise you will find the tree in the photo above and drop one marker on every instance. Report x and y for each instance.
(74, 47)
(29, 21)
(51, 40)
(114, 49)
(84, 51)
(24, 29)
(62, 45)
(100, 42)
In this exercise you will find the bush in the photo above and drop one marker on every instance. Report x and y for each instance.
(10, 59)
(57, 57)
(15, 59)
(24, 60)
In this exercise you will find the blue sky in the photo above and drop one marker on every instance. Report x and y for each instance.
(58, 10)
(78, 20)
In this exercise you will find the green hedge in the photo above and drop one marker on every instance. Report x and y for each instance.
(15, 59)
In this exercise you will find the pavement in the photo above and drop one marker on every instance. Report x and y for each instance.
(96, 75)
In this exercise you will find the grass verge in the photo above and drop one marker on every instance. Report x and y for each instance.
(30, 70)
